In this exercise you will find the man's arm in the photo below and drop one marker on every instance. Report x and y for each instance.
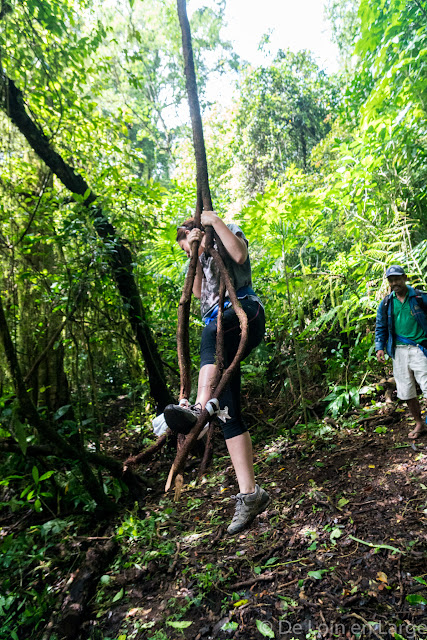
(235, 246)
(381, 332)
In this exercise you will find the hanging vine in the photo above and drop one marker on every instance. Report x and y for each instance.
(204, 201)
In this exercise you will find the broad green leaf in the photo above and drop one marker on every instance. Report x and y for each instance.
(61, 412)
(416, 598)
(179, 624)
(35, 474)
(229, 626)
(46, 475)
(355, 397)
(335, 533)
(20, 432)
(316, 574)
(342, 502)
(265, 629)
(118, 596)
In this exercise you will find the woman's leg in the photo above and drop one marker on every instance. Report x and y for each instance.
(205, 385)
(182, 418)
(251, 499)
(231, 394)
(240, 450)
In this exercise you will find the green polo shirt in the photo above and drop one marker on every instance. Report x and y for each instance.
(404, 322)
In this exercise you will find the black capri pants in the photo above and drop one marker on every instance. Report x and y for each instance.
(231, 395)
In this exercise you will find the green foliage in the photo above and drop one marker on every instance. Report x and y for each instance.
(209, 577)
(284, 112)
(179, 624)
(145, 532)
(341, 399)
(264, 629)
(335, 169)
(28, 592)
(342, 15)
(416, 599)
(392, 48)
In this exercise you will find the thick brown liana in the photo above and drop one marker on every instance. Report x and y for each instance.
(203, 201)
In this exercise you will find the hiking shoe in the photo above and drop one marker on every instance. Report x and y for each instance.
(248, 506)
(182, 419)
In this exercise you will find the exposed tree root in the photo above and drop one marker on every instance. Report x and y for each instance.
(66, 622)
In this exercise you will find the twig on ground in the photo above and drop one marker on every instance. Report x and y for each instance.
(399, 573)
(270, 577)
(350, 554)
(252, 581)
(365, 623)
(175, 558)
(218, 536)
(93, 537)
(323, 620)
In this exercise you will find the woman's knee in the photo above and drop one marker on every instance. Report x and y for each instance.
(234, 429)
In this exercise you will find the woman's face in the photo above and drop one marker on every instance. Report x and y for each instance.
(190, 237)
(185, 246)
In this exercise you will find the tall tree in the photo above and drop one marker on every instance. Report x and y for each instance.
(284, 111)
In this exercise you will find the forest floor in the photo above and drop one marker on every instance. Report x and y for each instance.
(339, 553)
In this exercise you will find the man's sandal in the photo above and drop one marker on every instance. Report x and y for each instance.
(417, 433)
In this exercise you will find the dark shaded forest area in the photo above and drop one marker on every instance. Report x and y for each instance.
(326, 174)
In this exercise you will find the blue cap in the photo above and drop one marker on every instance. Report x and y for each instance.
(395, 270)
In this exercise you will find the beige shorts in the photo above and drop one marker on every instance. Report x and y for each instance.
(409, 364)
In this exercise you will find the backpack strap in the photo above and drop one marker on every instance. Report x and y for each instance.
(387, 301)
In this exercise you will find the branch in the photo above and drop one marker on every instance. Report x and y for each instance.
(147, 453)
(114, 466)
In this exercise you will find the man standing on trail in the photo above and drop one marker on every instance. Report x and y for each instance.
(181, 418)
(401, 329)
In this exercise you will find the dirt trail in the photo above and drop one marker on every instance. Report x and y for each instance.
(340, 552)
